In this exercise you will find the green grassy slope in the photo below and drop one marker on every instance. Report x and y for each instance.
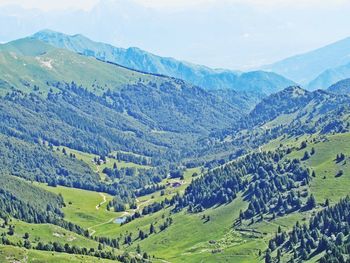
(47, 233)
(83, 207)
(101, 107)
(188, 239)
(9, 254)
(24, 68)
(191, 239)
(326, 185)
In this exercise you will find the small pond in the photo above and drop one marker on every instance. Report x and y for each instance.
(120, 220)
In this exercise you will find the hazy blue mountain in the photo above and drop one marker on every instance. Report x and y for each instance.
(330, 76)
(306, 67)
(341, 87)
(135, 58)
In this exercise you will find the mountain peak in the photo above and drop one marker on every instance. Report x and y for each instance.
(26, 47)
(49, 35)
(295, 91)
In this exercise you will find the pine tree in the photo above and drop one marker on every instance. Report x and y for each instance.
(306, 156)
(138, 249)
(145, 255)
(27, 244)
(151, 229)
(311, 202)
(312, 152)
(141, 235)
(11, 230)
(313, 173)
(268, 258)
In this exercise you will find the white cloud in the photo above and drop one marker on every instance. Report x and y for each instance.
(48, 5)
(183, 4)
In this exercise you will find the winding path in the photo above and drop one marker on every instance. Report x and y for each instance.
(91, 231)
(104, 201)
(104, 223)
(125, 213)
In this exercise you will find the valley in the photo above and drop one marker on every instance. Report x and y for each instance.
(190, 237)
(101, 162)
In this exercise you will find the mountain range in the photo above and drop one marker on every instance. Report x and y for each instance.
(150, 114)
(135, 58)
(317, 69)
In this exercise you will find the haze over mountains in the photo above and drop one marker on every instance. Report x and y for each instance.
(135, 58)
(317, 69)
(175, 31)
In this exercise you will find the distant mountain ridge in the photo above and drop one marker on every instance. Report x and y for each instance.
(341, 87)
(135, 58)
(330, 76)
(317, 69)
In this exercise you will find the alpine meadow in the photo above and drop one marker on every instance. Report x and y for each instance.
(111, 153)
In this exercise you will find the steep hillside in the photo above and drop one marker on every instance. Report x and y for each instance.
(325, 239)
(209, 79)
(110, 107)
(245, 101)
(305, 67)
(301, 111)
(291, 112)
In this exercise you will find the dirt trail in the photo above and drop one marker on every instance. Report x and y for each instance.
(104, 201)
(92, 232)
(125, 213)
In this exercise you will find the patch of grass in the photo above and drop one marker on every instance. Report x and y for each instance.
(326, 184)
(48, 233)
(10, 254)
(81, 206)
(188, 238)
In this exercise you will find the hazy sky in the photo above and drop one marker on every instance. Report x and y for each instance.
(236, 34)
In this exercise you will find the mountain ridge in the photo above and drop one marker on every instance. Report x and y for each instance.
(138, 59)
(306, 67)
